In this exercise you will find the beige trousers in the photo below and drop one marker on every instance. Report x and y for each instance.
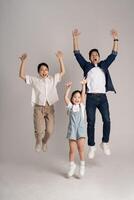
(43, 122)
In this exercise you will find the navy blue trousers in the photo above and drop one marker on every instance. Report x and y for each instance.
(99, 101)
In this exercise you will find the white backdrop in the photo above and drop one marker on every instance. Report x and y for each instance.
(40, 28)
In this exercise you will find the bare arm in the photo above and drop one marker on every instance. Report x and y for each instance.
(83, 83)
(22, 67)
(66, 96)
(81, 60)
(59, 55)
(114, 34)
(75, 34)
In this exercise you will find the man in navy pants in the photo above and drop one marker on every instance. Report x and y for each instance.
(98, 83)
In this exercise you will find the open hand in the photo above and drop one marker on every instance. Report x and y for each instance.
(75, 33)
(69, 84)
(114, 33)
(59, 54)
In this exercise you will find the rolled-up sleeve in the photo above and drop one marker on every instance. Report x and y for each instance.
(114, 53)
(29, 80)
(57, 78)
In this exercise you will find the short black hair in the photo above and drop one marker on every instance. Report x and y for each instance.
(73, 93)
(92, 50)
(40, 65)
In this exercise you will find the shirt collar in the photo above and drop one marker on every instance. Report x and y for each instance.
(41, 78)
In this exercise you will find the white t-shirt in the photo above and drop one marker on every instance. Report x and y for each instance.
(44, 89)
(96, 80)
(76, 108)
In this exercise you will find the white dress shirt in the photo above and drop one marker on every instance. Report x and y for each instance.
(96, 80)
(43, 89)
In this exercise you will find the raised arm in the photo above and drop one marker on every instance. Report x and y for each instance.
(66, 96)
(22, 66)
(108, 61)
(59, 55)
(81, 60)
(75, 34)
(83, 93)
(114, 34)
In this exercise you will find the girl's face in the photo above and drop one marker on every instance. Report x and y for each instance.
(76, 99)
(43, 72)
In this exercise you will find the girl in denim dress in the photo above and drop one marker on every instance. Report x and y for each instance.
(76, 128)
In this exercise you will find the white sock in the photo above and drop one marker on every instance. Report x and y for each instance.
(71, 162)
(82, 162)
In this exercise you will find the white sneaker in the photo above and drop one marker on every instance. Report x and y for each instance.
(71, 170)
(106, 149)
(38, 147)
(44, 147)
(82, 170)
(91, 153)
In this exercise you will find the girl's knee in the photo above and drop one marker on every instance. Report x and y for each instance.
(81, 149)
(71, 152)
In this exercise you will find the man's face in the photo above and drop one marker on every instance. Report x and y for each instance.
(43, 72)
(95, 58)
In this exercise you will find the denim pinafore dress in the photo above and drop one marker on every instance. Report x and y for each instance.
(76, 126)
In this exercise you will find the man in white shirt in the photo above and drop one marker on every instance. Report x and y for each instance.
(44, 95)
(98, 83)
